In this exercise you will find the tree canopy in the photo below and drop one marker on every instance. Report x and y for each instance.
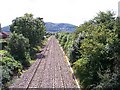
(31, 28)
(95, 53)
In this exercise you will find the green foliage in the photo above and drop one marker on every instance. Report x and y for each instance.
(68, 44)
(75, 51)
(95, 52)
(19, 48)
(27, 37)
(66, 41)
(9, 67)
(105, 18)
(31, 28)
(63, 40)
(3, 43)
(48, 34)
(96, 48)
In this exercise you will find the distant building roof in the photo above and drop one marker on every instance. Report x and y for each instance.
(4, 34)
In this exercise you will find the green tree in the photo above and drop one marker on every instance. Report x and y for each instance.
(95, 52)
(19, 48)
(10, 68)
(106, 18)
(31, 28)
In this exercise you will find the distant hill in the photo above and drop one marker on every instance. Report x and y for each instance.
(52, 27)
(6, 29)
(58, 27)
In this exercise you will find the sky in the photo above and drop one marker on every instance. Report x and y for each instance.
(74, 12)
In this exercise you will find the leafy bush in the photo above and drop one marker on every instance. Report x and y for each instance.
(3, 44)
(19, 48)
(95, 52)
(31, 28)
(75, 51)
(9, 67)
(68, 44)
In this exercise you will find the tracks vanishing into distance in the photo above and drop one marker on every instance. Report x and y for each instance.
(49, 71)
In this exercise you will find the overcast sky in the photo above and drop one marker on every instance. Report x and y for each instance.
(57, 11)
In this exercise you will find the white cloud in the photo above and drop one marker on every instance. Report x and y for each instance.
(69, 11)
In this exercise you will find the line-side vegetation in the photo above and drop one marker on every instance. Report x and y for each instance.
(24, 41)
(94, 52)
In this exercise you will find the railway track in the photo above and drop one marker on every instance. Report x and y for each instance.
(45, 52)
(49, 71)
(27, 77)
